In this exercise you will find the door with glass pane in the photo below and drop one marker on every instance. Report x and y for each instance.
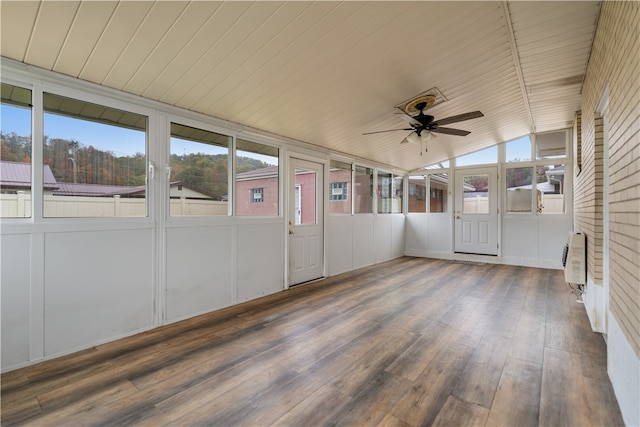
(476, 211)
(306, 231)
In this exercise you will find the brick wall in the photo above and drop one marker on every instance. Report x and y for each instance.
(614, 66)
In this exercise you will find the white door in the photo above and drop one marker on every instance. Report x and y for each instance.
(306, 230)
(476, 211)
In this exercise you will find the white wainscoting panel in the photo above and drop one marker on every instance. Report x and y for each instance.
(397, 235)
(260, 268)
(15, 277)
(98, 287)
(339, 244)
(363, 241)
(199, 270)
(383, 226)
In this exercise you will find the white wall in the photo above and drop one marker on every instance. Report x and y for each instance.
(623, 367)
(528, 240)
(68, 289)
(356, 241)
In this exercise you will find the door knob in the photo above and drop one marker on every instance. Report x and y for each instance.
(457, 216)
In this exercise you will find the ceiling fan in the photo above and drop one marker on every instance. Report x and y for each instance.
(423, 125)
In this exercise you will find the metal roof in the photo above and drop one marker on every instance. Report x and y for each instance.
(18, 175)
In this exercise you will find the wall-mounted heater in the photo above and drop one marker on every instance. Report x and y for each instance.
(574, 261)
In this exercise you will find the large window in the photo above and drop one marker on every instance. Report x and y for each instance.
(550, 183)
(438, 192)
(518, 150)
(199, 183)
(389, 193)
(339, 187)
(519, 184)
(256, 169)
(15, 157)
(417, 194)
(363, 194)
(96, 156)
(482, 157)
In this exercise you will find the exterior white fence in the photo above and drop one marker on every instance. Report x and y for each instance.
(19, 206)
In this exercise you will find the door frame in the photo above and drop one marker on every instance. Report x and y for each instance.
(494, 205)
(289, 215)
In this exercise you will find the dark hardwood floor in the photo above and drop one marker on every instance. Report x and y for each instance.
(410, 342)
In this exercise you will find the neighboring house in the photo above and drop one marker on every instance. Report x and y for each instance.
(257, 192)
(16, 176)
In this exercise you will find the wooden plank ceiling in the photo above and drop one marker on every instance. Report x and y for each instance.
(325, 72)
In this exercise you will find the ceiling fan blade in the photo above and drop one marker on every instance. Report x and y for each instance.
(451, 131)
(460, 118)
(407, 118)
(389, 130)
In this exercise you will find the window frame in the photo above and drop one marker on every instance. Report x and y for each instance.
(341, 166)
(370, 172)
(179, 120)
(234, 181)
(89, 98)
(32, 187)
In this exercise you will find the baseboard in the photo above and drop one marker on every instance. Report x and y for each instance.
(522, 262)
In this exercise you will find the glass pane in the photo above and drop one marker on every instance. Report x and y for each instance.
(96, 156)
(363, 190)
(340, 188)
(519, 187)
(389, 193)
(385, 192)
(417, 194)
(15, 137)
(438, 192)
(396, 194)
(550, 182)
(199, 183)
(305, 197)
(519, 150)
(476, 194)
(551, 145)
(482, 157)
(441, 165)
(257, 173)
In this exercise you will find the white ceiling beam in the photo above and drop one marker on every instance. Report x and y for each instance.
(518, 66)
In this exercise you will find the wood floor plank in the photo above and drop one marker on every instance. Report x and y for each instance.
(528, 341)
(562, 397)
(316, 409)
(421, 404)
(408, 342)
(372, 402)
(519, 378)
(479, 380)
(412, 362)
(459, 413)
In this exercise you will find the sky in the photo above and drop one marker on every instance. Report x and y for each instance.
(119, 140)
(517, 149)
